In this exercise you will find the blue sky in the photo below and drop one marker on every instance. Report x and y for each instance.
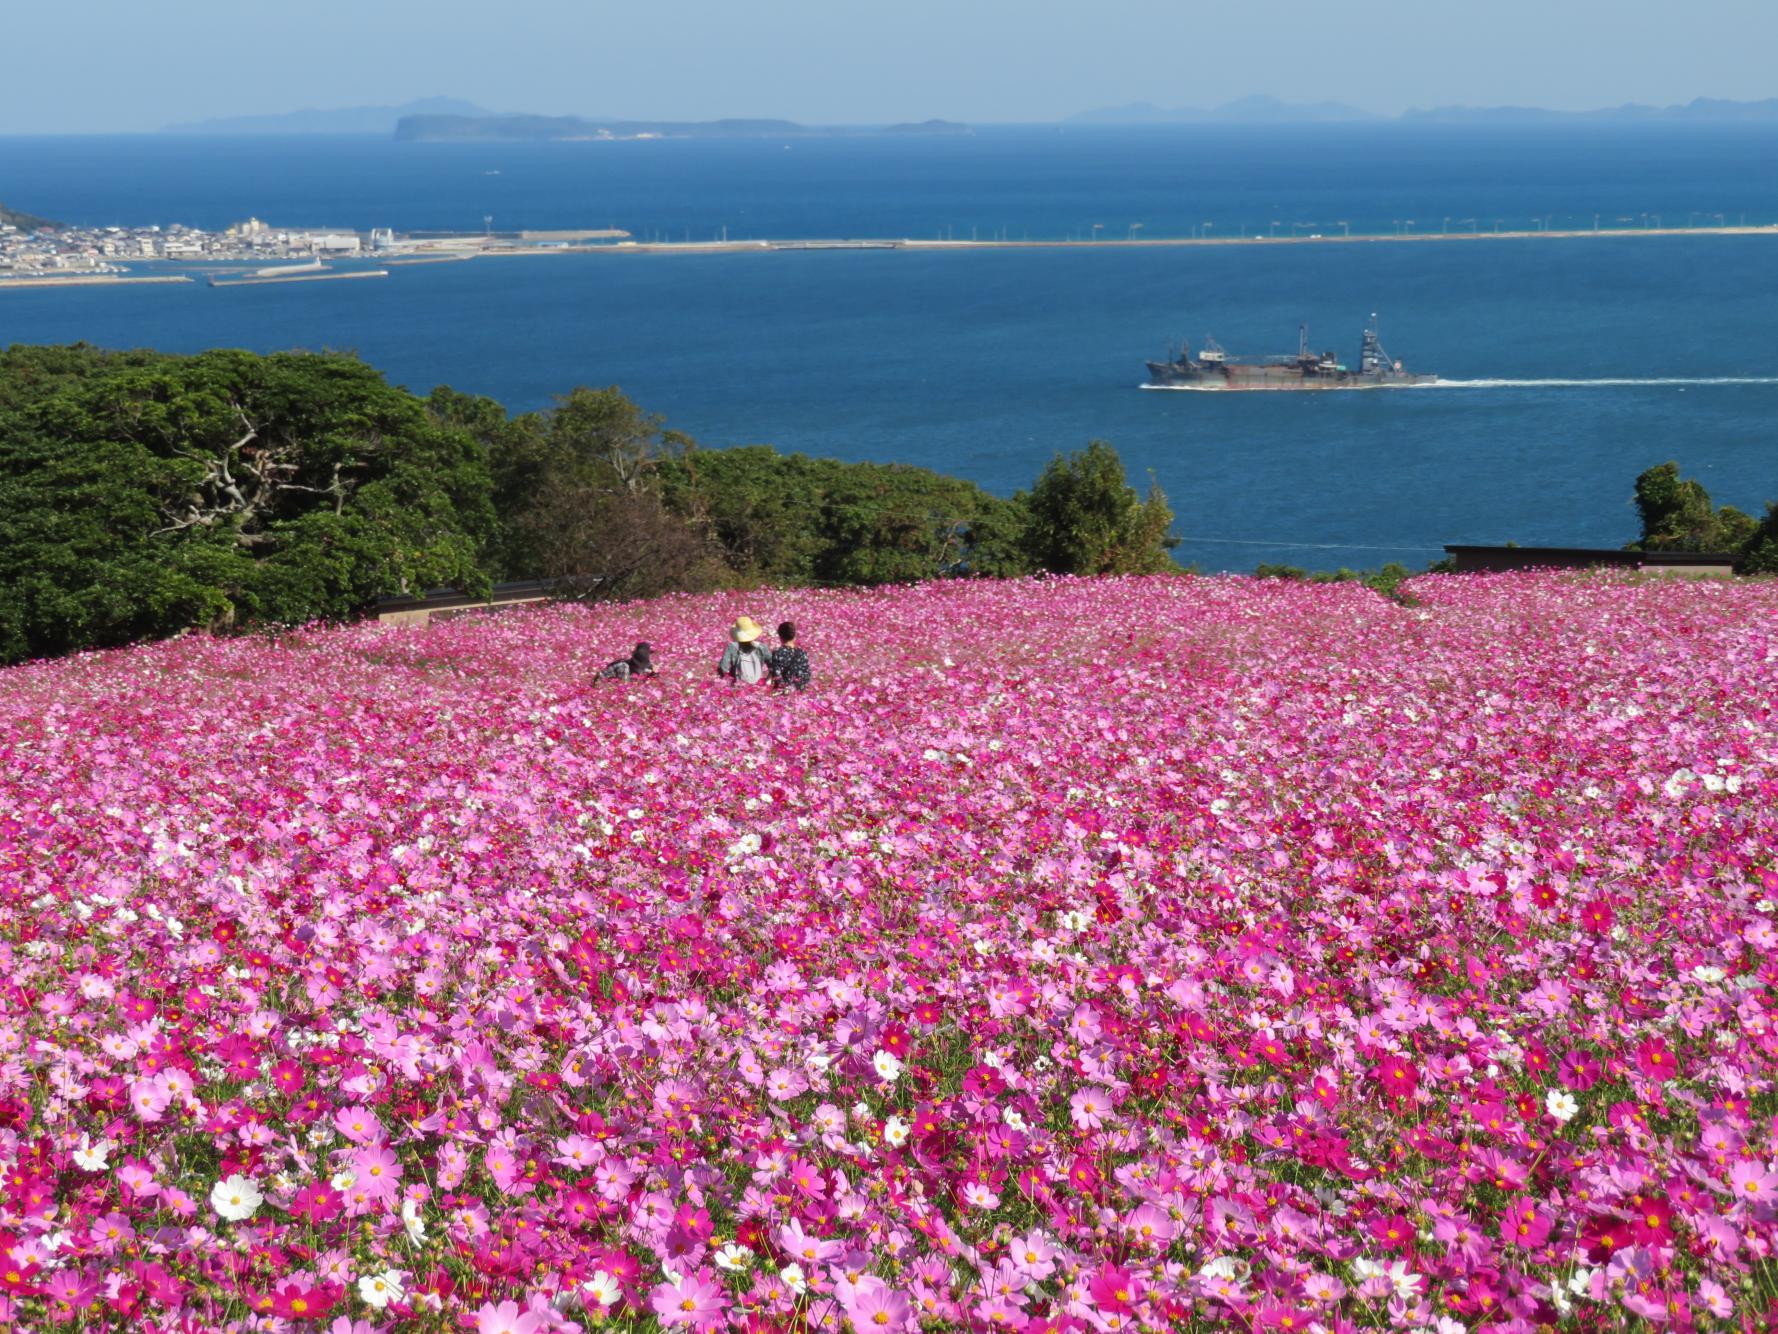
(138, 64)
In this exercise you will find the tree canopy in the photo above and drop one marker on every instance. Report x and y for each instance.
(1678, 515)
(1085, 518)
(143, 494)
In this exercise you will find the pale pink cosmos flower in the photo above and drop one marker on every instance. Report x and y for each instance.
(695, 1300)
(1752, 1184)
(877, 1308)
(507, 1318)
(1090, 1108)
(359, 1125)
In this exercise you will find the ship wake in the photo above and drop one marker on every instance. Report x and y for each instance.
(1613, 382)
(1604, 383)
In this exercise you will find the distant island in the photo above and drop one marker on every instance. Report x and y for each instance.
(437, 129)
(345, 120)
(26, 222)
(1263, 110)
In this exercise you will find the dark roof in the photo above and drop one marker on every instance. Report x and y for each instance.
(1608, 555)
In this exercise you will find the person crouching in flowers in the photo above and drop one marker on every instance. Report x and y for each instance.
(744, 661)
(639, 663)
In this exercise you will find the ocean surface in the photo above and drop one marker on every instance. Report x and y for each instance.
(984, 363)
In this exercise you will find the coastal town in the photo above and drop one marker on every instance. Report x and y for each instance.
(40, 254)
(74, 251)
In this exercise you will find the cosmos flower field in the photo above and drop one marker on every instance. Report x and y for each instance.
(1098, 955)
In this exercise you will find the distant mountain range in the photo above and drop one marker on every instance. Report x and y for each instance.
(26, 222)
(1271, 111)
(347, 120)
(434, 128)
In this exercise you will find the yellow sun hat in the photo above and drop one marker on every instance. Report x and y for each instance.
(745, 630)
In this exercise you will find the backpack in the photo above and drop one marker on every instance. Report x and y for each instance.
(750, 668)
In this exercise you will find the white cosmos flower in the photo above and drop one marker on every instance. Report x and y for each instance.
(895, 1132)
(380, 1289)
(888, 1066)
(1407, 1283)
(794, 1279)
(411, 1220)
(602, 1288)
(734, 1257)
(342, 1181)
(235, 1198)
(1561, 1104)
(92, 1156)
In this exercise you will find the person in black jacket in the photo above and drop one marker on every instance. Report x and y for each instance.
(789, 665)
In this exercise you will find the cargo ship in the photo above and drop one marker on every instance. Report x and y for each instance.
(1212, 368)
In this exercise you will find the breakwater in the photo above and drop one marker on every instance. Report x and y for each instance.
(299, 278)
(90, 280)
(1134, 243)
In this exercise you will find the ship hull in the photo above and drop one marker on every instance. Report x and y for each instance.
(1171, 375)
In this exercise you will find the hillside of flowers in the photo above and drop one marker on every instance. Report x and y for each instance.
(1075, 955)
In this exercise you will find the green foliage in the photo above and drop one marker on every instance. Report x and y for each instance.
(141, 495)
(1759, 553)
(1085, 518)
(788, 518)
(1677, 515)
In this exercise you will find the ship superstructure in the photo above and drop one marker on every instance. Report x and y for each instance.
(1213, 368)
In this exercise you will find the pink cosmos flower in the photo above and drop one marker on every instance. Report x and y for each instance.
(1398, 1077)
(359, 1125)
(1150, 1226)
(378, 1171)
(1090, 1108)
(1524, 1225)
(1114, 1288)
(507, 1318)
(1033, 1254)
(877, 1308)
(1752, 1185)
(1579, 1071)
(696, 1300)
(803, 1248)
(1655, 1060)
(149, 1098)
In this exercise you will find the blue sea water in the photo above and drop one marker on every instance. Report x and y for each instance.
(984, 363)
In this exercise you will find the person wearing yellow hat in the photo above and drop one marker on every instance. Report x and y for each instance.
(743, 660)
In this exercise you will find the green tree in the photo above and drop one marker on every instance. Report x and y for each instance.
(1759, 553)
(1677, 515)
(1083, 517)
(579, 494)
(787, 518)
(143, 494)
